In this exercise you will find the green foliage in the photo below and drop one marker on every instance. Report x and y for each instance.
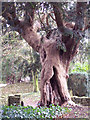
(80, 61)
(79, 67)
(18, 59)
(10, 112)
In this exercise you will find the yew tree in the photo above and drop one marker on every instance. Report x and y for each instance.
(56, 47)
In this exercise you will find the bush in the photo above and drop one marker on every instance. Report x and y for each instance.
(20, 112)
(79, 67)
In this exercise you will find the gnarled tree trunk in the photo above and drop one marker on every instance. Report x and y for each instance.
(54, 74)
(55, 60)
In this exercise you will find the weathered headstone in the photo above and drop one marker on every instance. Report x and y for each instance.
(81, 100)
(14, 100)
(79, 84)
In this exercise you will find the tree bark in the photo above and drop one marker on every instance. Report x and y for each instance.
(31, 37)
(53, 75)
(54, 72)
(55, 64)
(35, 81)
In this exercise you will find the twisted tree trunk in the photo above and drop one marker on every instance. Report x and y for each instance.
(54, 74)
(55, 53)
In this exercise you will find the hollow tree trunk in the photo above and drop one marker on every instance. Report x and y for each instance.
(55, 65)
(53, 75)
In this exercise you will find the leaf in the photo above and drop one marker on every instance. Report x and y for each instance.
(30, 112)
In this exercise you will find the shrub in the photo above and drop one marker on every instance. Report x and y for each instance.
(79, 67)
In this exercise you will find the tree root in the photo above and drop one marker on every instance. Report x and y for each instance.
(70, 103)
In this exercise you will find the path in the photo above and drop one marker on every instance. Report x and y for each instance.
(30, 102)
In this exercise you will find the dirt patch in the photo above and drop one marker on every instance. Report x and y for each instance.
(17, 88)
(31, 99)
(78, 112)
(23, 89)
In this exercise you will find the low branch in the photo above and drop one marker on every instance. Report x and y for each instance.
(25, 28)
(31, 38)
(58, 17)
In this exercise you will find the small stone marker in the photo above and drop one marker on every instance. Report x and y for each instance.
(14, 100)
(85, 101)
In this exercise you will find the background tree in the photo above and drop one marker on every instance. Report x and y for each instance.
(80, 61)
(10, 57)
(56, 47)
(18, 59)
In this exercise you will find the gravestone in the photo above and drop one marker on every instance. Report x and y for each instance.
(14, 100)
(79, 84)
(85, 101)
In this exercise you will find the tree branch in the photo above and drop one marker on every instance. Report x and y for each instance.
(9, 13)
(58, 17)
(29, 12)
(80, 13)
(31, 37)
(25, 28)
(78, 28)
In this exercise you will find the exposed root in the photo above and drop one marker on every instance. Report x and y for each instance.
(71, 103)
(39, 104)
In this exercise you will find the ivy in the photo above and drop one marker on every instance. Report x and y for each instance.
(10, 112)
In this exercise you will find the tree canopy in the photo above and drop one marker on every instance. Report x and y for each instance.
(70, 18)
